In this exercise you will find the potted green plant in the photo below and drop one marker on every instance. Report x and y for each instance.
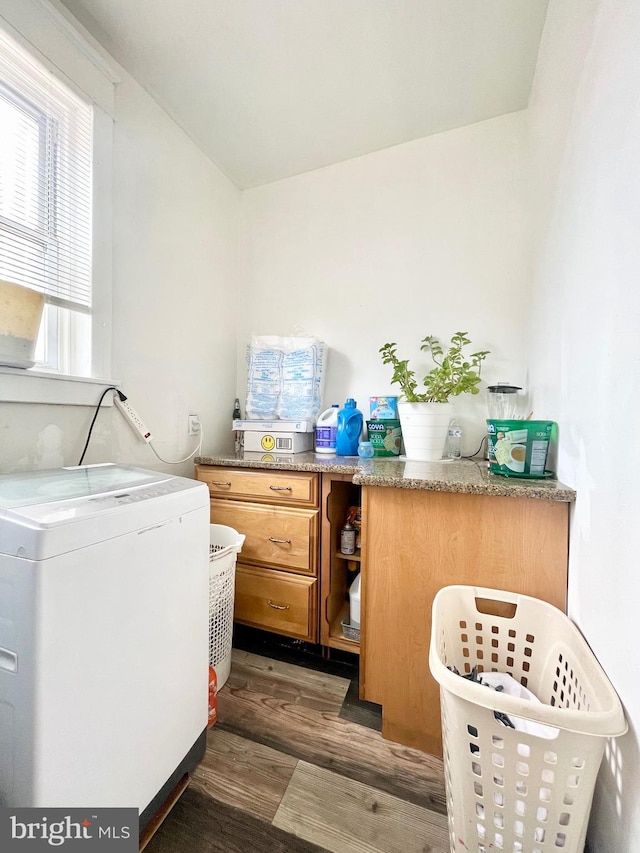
(425, 411)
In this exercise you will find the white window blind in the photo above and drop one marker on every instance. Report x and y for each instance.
(46, 144)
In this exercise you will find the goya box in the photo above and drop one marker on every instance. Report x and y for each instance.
(520, 448)
(385, 436)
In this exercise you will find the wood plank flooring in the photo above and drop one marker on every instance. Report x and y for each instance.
(284, 771)
(340, 814)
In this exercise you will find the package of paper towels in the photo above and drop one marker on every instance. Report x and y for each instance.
(285, 377)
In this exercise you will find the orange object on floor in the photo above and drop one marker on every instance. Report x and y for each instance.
(213, 699)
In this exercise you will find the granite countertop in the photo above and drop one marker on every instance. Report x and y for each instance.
(466, 476)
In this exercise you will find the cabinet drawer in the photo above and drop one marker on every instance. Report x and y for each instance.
(287, 487)
(278, 536)
(276, 601)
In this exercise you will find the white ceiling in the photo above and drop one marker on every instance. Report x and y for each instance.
(273, 88)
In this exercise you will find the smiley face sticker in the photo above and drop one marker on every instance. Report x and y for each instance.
(268, 442)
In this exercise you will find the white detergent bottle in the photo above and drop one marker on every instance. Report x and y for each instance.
(326, 430)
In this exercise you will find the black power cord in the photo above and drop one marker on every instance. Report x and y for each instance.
(95, 415)
(473, 455)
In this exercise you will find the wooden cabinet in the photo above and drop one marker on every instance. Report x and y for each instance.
(292, 579)
(277, 570)
(419, 541)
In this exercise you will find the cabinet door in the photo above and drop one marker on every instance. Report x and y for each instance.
(287, 487)
(276, 601)
(417, 542)
(276, 536)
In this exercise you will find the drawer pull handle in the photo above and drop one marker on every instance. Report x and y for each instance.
(219, 483)
(278, 606)
(280, 541)
(280, 488)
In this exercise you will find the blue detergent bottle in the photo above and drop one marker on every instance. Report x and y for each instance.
(350, 422)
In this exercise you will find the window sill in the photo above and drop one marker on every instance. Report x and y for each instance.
(38, 386)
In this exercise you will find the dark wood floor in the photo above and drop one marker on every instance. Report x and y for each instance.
(295, 763)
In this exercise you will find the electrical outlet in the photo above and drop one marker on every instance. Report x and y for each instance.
(194, 425)
(133, 419)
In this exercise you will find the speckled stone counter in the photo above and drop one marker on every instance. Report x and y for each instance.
(466, 476)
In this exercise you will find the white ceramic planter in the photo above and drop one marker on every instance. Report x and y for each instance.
(424, 429)
(20, 315)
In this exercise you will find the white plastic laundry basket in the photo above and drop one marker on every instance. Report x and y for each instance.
(225, 544)
(507, 789)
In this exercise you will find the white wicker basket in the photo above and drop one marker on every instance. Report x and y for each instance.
(507, 789)
(225, 544)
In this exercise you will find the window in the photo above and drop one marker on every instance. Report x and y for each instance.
(46, 175)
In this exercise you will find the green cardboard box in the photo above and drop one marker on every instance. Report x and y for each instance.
(385, 436)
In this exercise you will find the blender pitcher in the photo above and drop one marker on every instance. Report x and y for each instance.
(503, 401)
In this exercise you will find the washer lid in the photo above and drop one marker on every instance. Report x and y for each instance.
(46, 513)
(32, 488)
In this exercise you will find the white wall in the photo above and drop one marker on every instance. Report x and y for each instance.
(424, 238)
(585, 356)
(175, 273)
(174, 305)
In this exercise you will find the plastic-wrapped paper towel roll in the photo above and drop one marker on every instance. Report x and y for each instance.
(285, 377)
(263, 380)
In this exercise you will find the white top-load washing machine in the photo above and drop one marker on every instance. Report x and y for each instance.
(103, 635)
